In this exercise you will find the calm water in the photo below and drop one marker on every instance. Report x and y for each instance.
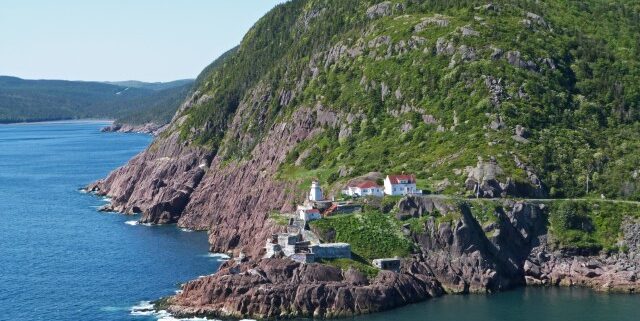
(62, 260)
(59, 258)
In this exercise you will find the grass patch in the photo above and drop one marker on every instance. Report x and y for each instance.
(372, 235)
(279, 219)
(359, 265)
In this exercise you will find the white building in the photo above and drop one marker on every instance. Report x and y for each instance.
(367, 188)
(401, 185)
(316, 192)
(331, 251)
(309, 214)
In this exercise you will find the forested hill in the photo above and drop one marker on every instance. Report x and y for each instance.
(157, 86)
(519, 97)
(39, 100)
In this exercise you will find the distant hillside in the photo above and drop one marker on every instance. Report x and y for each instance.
(157, 86)
(40, 100)
(158, 108)
(162, 106)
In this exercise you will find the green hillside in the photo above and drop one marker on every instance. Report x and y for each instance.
(38, 100)
(158, 108)
(545, 93)
(156, 86)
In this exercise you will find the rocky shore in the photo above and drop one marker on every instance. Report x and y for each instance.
(618, 272)
(456, 257)
(175, 182)
(148, 128)
(272, 288)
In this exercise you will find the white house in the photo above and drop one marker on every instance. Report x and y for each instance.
(404, 184)
(315, 194)
(366, 188)
(309, 214)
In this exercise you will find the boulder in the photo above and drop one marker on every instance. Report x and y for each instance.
(379, 10)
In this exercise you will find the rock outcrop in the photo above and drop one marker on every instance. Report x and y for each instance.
(148, 128)
(467, 257)
(273, 288)
(173, 182)
(487, 180)
(455, 255)
(618, 272)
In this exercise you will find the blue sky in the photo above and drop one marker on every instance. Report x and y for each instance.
(148, 40)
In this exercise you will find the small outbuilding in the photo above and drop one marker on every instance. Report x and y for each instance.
(331, 251)
(310, 214)
(387, 264)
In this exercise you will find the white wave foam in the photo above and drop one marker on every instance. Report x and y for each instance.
(186, 230)
(132, 223)
(143, 308)
(220, 256)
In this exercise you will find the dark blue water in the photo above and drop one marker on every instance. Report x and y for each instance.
(59, 258)
(532, 304)
(62, 260)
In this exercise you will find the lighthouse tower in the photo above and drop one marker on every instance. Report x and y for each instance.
(316, 192)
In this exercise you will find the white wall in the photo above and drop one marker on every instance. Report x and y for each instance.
(399, 189)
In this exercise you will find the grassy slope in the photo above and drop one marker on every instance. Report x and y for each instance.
(582, 113)
(582, 109)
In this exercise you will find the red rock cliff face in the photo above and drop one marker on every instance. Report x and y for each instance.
(172, 182)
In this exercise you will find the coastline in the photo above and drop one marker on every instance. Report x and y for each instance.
(64, 121)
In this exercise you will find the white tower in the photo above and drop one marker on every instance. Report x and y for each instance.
(316, 192)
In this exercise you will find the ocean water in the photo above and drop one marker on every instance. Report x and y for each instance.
(62, 260)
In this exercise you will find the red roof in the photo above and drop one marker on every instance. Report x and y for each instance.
(313, 210)
(395, 179)
(365, 184)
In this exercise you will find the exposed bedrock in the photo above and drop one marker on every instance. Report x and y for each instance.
(148, 128)
(173, 182)
(467, 257)
(283, 288)
(618, 272)
(156, 183)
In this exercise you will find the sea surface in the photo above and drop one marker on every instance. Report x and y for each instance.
(62, 260)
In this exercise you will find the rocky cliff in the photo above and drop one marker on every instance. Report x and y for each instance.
(456, 256)
(274, 288)
(336, 89)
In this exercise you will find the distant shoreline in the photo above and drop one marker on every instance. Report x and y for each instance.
(88, 120)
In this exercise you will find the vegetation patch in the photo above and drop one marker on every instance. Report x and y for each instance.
(360, 265)
(278, 218)
(372, 235)
(589, 226)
